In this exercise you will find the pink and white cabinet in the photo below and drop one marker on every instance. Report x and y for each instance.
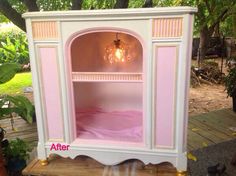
(112, 84)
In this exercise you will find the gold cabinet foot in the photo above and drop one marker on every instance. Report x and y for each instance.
(181, 173)
(44, 162)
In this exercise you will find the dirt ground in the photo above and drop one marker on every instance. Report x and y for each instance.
(208, 98)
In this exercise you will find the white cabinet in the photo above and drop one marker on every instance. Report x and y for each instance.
(128, 103)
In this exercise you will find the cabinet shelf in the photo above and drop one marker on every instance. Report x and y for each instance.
(106, 77)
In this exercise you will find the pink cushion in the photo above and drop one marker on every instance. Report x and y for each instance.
(95, 123)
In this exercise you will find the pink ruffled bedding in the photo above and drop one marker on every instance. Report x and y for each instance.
(96, 123)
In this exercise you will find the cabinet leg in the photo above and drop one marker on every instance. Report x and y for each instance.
(44, 162)
(181, 173)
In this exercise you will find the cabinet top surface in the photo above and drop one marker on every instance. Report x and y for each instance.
(132, 13)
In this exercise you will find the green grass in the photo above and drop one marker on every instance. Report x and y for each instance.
(16, 84)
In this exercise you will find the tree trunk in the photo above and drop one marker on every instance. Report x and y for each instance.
(204, 41)
(77, 4)
(121, 4)
(148, 3)
(216, 32)
(7, 10)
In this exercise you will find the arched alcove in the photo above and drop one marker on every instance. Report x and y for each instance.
(87, 53)
(108, 98)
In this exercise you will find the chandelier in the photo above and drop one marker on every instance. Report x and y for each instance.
(117, 52)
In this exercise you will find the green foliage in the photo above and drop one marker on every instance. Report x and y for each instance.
(234, 22)
(230, 82)
(3, 19)
(209, 13)
(102, 4)
(17, 148)
(8, 71)
(227, 27)
(51, 5)
(14, 48)
(19, 104)
(135, 4)
(18, 5)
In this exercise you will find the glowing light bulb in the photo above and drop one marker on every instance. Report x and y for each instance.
(119, 53)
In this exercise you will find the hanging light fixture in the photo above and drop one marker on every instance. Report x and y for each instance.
(117, 51)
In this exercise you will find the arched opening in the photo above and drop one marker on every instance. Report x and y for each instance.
(87, 53)
(108, 97)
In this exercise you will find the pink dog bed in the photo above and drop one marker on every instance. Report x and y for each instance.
(96, 123)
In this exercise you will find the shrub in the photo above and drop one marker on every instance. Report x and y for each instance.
(230, 82)
(13, 47)
(17, 148)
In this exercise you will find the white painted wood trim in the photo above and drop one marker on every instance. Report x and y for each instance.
(113, 157)
(139, 13)
(181, 110)
(37, 97)
(188, 41)
(62, 74)
(148, 97)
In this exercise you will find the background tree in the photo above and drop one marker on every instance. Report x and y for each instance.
(234, 22)
(213, 16)
(210, 15)
(209, 18)
(13, 9)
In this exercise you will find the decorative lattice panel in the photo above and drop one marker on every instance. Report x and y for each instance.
(100, 76)
(167, 27)
(43, 30)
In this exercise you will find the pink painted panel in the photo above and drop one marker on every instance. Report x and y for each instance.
(52, 101)
(165, 93)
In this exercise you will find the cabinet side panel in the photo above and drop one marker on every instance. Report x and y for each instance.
(165, 58)
(51, 92)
